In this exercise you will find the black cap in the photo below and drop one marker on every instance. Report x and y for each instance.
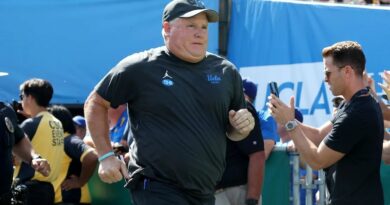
(186, 9)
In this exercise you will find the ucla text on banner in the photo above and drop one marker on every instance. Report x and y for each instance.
(282, 41)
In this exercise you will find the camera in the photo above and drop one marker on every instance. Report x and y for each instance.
(273, 86)
(19, 195)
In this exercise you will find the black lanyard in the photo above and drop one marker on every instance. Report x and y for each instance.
(360, 93)
(344, 105)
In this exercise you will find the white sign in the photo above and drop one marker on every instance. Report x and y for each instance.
(304, 81)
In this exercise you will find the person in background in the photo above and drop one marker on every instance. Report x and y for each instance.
(370, 83)
(336, 102)
(269, 131)
(14, 141)
(117, 119)
(78, 164)
(46, 135)
(386, 152)
(274, 133)
(242, 180)
(385, 111)
(183, 103)
(386, 88)
(79, 123)
(118, 122)
(119, 131)
(352, 141)
(283, 139)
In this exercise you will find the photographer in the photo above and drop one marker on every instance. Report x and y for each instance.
(352, 141)
(13, 139)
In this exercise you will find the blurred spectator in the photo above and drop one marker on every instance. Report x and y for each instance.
(78, 164)
(385, 111)
(242, 180)
(118, 124)
(386, 152)
(79, 123)
(285, 139)
(336, 101)
(386, 89)
(269, 131)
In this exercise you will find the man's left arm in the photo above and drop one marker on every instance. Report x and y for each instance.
(255, 175)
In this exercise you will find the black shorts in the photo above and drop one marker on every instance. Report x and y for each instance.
(148, 191)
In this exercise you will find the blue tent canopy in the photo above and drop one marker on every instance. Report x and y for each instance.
(74, 43)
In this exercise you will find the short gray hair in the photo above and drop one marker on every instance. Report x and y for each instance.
(163, 31)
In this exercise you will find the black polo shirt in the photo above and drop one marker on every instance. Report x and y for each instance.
(179, 115)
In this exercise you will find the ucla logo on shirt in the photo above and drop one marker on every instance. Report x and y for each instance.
(167, 80)
(213, 79)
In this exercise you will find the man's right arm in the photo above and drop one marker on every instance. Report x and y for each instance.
(111, 169)
(95, 110)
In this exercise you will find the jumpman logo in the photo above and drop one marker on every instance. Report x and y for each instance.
(166, 75)
(167, 80)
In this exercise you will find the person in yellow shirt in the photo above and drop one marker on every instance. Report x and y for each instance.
(79, 163)
(46, 135)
